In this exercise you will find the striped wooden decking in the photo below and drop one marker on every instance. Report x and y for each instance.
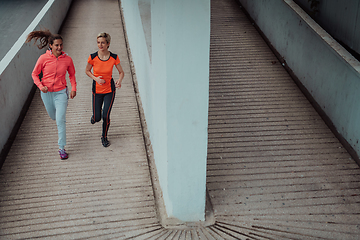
(98, 193)
(275, 170)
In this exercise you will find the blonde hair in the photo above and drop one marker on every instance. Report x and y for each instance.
(104, 35)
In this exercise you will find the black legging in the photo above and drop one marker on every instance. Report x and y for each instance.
(98, 100)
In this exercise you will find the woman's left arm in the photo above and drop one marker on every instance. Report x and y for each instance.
(121, 75)
(71, 71)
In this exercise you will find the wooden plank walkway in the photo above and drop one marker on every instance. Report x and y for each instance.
(275, 171)
(98, 193)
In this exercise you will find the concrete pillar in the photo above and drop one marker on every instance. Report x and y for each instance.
(174, 89)
(180, 47)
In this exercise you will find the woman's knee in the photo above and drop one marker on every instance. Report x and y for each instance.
(105, 118)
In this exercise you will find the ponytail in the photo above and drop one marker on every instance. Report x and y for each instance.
(45, 37)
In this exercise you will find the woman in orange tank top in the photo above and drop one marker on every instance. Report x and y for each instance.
(104, 87)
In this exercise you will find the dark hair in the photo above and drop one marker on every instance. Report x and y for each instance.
(45, 36)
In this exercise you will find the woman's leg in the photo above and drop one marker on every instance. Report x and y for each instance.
(108, 103)
(48, 100)
(61, 102)
(97, 102)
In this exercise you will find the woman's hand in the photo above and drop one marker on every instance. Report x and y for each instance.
(121, 76)
(99, 80)
(72, 94)
(88, 72)
(44, 89)
(118, 84)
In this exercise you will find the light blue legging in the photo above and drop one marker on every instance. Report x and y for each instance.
(56, 105)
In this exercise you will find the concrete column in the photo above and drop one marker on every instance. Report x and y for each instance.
(171, 58)
(180, 64)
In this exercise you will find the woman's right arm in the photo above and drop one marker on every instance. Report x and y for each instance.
(88, 72)
(35, 75)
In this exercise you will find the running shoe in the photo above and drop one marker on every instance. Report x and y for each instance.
(105, 142)
(63, 154)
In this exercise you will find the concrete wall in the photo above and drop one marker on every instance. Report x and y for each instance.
(326, 69)
(171, 58)
(339, 18)
(18, 63)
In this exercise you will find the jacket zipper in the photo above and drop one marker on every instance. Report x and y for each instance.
(56, 63)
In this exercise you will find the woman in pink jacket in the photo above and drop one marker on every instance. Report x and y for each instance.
(53, 66)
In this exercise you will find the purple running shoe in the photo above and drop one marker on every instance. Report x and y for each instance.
(63, 154)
